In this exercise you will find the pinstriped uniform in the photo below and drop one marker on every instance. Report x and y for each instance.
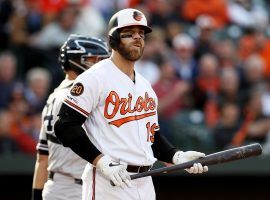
(67, 165)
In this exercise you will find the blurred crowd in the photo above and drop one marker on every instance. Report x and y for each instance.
(207, 60)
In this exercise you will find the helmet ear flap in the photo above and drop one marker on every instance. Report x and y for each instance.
(114, 40)
(113, 43)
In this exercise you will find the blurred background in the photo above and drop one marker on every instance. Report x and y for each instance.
(207, 60)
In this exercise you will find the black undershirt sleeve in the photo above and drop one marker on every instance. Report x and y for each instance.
(68, 129)
(163, 150)
(36, 194)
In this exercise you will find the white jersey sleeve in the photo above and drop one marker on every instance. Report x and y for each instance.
(84, 94)
(42, 145)
(49, 117)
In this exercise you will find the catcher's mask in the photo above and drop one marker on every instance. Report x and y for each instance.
(79, 52)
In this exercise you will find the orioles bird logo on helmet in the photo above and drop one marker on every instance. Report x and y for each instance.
(137, 16)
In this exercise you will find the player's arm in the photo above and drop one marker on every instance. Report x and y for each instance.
(40, 176)
(163, 150)
(68, 129)
(40, 171)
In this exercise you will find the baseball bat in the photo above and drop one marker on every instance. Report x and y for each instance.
(211, 159)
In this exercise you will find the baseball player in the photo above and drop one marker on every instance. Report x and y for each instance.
(118, 109)
(64, 166)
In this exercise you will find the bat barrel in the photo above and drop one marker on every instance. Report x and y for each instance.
(232, 154)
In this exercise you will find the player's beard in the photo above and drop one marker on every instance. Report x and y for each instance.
(130, 54)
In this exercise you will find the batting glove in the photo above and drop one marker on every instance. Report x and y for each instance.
(182, 157)
(114, 171)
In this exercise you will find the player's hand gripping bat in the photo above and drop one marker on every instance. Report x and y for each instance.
(211, 159)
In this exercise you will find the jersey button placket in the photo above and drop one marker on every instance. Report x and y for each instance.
(140, 125)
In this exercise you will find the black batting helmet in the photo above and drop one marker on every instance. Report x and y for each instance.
(80, 52)
(124, 18)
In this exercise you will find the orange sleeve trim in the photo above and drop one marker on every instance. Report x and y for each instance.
(84, 112)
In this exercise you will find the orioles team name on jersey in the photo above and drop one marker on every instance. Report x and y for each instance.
(123, 106)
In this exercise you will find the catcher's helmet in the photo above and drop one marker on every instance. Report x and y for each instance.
(80, 52)
(124, 18)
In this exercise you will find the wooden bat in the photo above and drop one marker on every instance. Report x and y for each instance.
(211, 159)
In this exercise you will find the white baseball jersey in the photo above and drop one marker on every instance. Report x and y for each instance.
(61, 159)
(121, 115)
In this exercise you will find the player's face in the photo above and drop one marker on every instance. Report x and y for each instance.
(131, 43)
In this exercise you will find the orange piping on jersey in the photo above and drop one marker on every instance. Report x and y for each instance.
(120, 122)
(94, 184)
(77, 107)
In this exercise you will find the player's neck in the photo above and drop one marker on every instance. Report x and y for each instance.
(123, 64)
(71, 75)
